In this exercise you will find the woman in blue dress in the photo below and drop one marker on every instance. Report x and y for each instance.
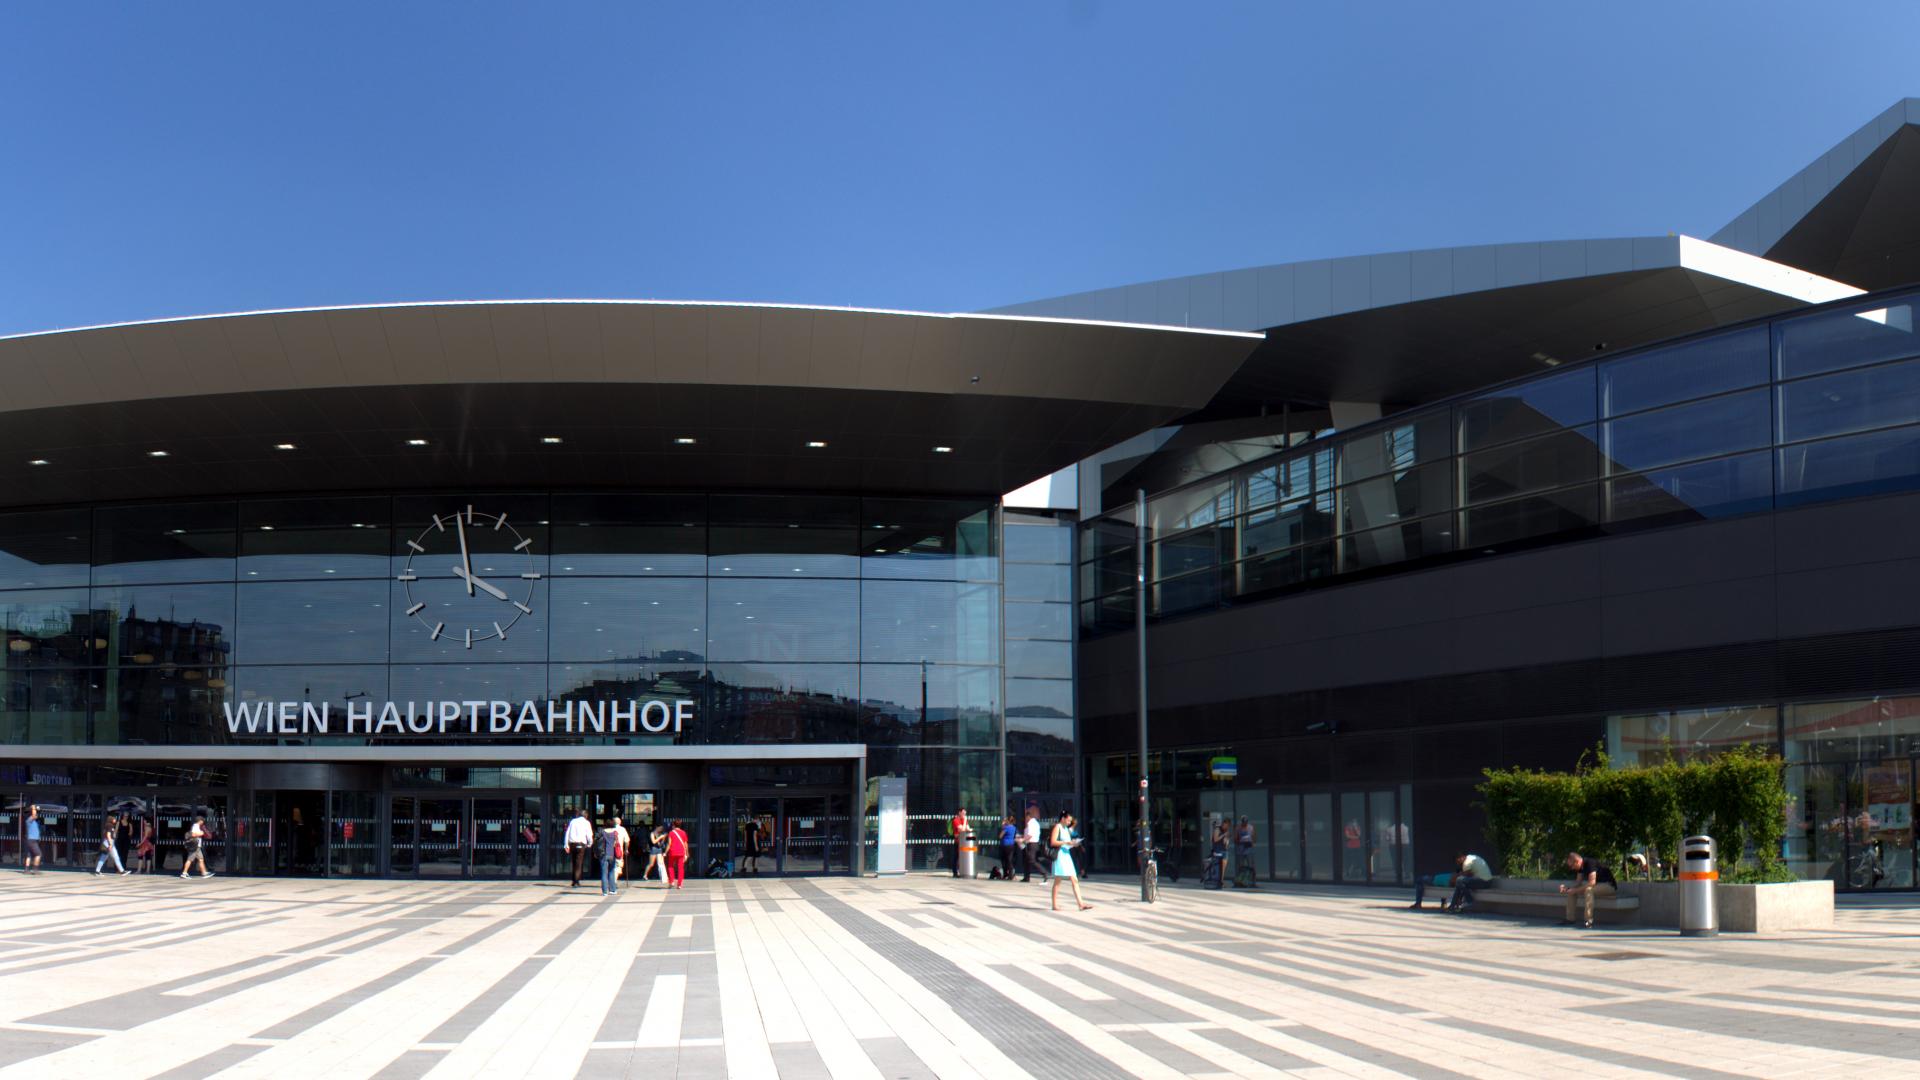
(1063, 844)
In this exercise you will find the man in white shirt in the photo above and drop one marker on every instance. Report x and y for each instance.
(579, 838)
(1471, 874)
(1030, 846)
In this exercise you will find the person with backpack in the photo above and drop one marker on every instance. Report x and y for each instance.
(677, 847)
(607, 850)
(197, 836)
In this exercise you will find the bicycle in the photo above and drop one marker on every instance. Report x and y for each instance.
(1868, 870)
(1212, 877)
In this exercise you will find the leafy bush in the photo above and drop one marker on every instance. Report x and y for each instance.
(1738, 797)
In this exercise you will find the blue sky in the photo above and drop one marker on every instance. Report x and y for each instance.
(174, 159)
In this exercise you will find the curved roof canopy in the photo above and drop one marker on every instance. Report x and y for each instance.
(1403, 328)
(584, 393)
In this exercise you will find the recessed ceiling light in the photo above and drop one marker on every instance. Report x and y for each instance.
(156, 453)
(266, 528)
(685, 440)
(416, 442)
(39, 461)
(943, 449)
(283, 446)
(816, 445)
(550, 440)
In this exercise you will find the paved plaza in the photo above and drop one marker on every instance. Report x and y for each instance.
(917, 977)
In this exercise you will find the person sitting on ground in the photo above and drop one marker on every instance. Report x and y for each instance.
(1591, 878)
(1471, 873)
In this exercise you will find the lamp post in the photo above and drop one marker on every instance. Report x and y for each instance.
(1140, 658)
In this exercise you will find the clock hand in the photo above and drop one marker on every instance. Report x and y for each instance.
(473, 581)
(466, 559)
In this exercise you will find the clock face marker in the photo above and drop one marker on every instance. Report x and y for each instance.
(524, 609)
(523, 545)
(465, 571)
(497, 524)
(438, 524)
(497, 630)
(469, 637)
(415, 609)
(469, 513)
(409, 576)
(416, 547)
(437, 627)
(531, 577)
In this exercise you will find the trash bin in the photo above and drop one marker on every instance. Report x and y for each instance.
(965, 852)
(1699, 872)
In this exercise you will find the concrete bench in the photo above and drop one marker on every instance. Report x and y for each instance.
(1542, 899)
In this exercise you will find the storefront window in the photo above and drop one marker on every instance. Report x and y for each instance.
(1689, 734)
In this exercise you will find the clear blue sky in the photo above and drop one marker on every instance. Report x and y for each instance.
(182, 158)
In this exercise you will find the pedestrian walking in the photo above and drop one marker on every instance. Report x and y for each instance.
(755, 843)
(626, 846)
(197, 847)
(1064, 843)
(677, 847)
(579, 838)
(143, 853)
(109, 850)
(1009, 843)
(608, 849)
(1243, 838)
(1030, 845)
(656, 852)
(31, 864)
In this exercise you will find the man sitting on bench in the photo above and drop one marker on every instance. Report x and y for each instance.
(1472, 874)
(1591, 878)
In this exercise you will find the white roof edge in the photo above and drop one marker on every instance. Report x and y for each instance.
(1756, 272)
(556, 301)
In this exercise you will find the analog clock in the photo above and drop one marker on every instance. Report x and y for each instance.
(487, 607)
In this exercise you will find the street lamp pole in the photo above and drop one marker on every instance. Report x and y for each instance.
(1140, 662)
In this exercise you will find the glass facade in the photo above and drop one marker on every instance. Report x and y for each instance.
(785, 619)
(1040, 703)
(1803, 409)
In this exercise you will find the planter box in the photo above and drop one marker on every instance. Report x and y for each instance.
(1749, 909)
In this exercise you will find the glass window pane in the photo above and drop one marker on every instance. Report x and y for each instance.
(762, 703)
(941, 539)
(784, 536)
(1846, 338)
(942, 622)
(1874, 397)
(168, 542)
(1197, 550)
(1530, 408)
(1542, 515)
(1051, 621)
(624, 682)
(1283, 569)
(44, 548)
(312, 622)
(1188, 593)
(148, 625)
(53, 706)
(783, 621)
(641, 533)
(1039, 543)
(1030, 700)
(1397, 543)
(1415, 441)
(47, 628)
(468, 682)
(1408, 493)
(1202, 504)
(929, 704)
(1866, 728)
(283, 539)
(1040, 659)
(335, 685)
(1872, 464)
(1554, 461)
(1704, 489)
(1697, 369)
(653, 619)
(1289, 526)
(1035, 582)
(1721, 425)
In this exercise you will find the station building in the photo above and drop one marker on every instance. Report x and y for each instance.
(390, 591)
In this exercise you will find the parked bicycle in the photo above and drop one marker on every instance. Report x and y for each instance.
(1868, 870)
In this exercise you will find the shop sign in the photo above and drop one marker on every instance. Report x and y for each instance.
(1224, 768)
(653, 716)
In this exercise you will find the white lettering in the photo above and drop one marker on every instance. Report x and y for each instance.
(529, 718)
(420, 722)
(473, 715)
(288, 711)
(251, 715)
(389, 715)
(499, 716)
(449, 712)
(554, 716)
(646, 716)
(682, 712)
(595, 714)
(315, 718)
(363, 717)
(619, 717)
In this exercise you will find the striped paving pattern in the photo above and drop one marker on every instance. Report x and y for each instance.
(917, 977)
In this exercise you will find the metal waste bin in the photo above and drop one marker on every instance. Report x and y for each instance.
(1699, 872)
(965, 852)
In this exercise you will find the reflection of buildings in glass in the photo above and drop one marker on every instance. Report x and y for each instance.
(165, 680)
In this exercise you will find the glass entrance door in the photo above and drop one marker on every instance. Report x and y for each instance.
(442, 837)
(791, 834)
(494, 828)
(804, 835)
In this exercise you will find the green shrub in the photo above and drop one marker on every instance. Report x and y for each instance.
(1738, 797)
